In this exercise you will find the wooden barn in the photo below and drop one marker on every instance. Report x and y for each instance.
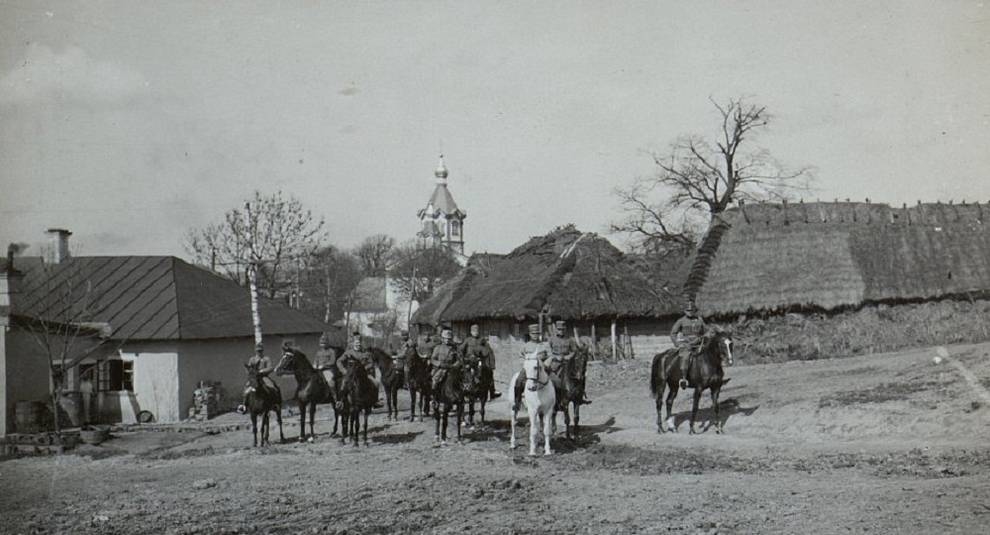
(827, 257)
(567, 274)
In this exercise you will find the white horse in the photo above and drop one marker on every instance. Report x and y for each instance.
(540, 399)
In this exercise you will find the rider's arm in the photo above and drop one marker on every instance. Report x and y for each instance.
(675, 330)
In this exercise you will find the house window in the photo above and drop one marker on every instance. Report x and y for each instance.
(455, 228)
(115, 376)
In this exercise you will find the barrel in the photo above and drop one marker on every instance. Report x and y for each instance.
(29, 416)
(71, 402)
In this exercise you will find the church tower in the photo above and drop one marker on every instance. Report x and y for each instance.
(442, 222)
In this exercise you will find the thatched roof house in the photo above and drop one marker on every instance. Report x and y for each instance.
(825, 256)
(579, 276)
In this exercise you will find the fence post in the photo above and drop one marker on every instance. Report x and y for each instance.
(615, 347)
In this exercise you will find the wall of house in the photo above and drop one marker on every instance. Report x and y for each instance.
(223, 360)
(25, 373)
(156, 382)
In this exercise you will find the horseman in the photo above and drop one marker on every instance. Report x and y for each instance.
(444, 357)
(355, 354)
(476, 349)
(263, 366)
(408, 347)
(686, 335)
(542, 350)
(562, 349)
(326, 363)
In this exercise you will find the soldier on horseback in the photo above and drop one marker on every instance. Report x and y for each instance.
(562, 349)
(355, 353)
(263, 366)
(326, 361)
(686, 334)
(444, 357)
(476, 348)
(407, 352)
(538, 346)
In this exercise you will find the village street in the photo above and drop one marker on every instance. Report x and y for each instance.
(898, 447)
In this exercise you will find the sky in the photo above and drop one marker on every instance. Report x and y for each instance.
(129, 123)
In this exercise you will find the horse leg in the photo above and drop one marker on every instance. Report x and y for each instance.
(278, 417)
(264, 428)
(254, 427)
(718, 421)
(546, 436)
(694, 408)
(481, 408)
(577, 418)
(302, 421)
(534, 424)
(512, 426)
(366, 413)
(670, 409)
(312, 419)
(436, 433)
(412, 403)
(460, 417)
(659, 404)
(567, 421)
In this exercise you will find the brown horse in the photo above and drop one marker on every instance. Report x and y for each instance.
(705, 372)
(311, 389)
(261, 399)
(572, 380)
(358, 394)
(479, 388)
(393, 378)
(418, 381)
(449, 395)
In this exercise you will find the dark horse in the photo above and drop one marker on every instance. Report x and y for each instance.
(705, 373)
(261, 399)
(571, 391)
(358, 394)
(393, 378)
(312, 388)
(478, 389)
(450, 394)
(418, 381)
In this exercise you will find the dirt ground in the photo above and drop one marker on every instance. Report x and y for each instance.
(892, 443)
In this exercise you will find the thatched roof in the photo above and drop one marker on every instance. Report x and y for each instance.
(579, 275)
(830, 255)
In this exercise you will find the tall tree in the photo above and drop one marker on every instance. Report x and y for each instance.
(269, 232)
(419, 271)
(325, 281)
(374, 254)
(698, 178)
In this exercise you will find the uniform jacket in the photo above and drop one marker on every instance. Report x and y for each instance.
(262, 364)
(477, 348)
(690, 328)
(444, 357)
(361, 356)
(325, 358)
(562, 346)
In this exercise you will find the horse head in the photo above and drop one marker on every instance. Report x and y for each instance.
(535, 370)
(720, 343)
(288, 364)
(579, 362)
(254, 378)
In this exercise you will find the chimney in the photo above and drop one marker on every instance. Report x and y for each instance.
(58, 240)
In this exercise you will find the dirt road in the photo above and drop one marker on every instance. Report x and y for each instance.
(890, 443)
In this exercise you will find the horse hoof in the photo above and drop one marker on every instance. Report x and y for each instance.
(532, 454)
(548, 453)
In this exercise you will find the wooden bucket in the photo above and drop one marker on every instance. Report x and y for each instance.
(30, 416)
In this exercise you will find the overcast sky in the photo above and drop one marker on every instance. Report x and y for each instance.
(129, 122)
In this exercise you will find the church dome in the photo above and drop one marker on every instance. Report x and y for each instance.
(441, 171)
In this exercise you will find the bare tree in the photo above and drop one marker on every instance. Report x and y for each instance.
(268, 233)
(59, 318)
(419, 271)
(325, 281)
(698, 179)
(374, 254)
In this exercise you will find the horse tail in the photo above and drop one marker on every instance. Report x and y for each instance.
(655, 375)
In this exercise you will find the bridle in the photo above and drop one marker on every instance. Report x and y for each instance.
(539, 368)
